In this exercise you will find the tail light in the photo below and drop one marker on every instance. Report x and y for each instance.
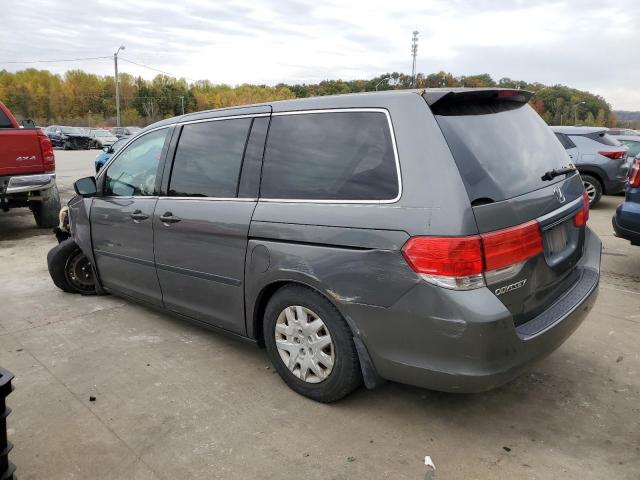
(614, 155)
(46, 149)
(634, 173)
(464, 263)
(580, 220)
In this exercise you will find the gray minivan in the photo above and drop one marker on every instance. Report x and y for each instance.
(435, 237)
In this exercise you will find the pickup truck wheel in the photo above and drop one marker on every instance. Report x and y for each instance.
(70, 269)
(46, 212)
(311, 345)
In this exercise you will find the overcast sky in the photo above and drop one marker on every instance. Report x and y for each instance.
(587, 44)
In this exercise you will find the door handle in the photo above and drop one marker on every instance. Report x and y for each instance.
(137, 215)
(169, 218)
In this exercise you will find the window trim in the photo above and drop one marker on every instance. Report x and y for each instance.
(341, 110)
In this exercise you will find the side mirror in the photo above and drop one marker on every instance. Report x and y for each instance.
(106, 149)
(85, 186)
(28, 124)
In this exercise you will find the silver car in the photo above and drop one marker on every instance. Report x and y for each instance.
(601, 159)
(102, 138)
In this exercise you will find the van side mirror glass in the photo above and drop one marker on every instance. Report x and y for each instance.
(28, 124)
(85, 186)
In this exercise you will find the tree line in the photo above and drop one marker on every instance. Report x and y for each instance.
(81, 98)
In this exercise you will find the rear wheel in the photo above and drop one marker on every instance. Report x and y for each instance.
(310, 344)
(70, 269)
(46, 211)
(593, 187)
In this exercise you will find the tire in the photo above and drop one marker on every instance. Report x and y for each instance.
(66, 146)
(46, 212)
(333, 382)
(593, 187)
(65, 261)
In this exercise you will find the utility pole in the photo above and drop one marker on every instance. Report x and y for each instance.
(115, 62)
(414, 53)
(182, 101)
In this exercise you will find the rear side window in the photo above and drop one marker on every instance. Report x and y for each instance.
(330, 156)
(4, 121)
(208, 159)
(502, 154)
(565, 141)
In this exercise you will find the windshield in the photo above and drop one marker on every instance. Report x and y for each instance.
(502, 154)
(102, 133)
(72, 130)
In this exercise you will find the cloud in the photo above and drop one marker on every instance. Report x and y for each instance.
(587, 44)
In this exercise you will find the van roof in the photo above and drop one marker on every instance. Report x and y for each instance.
(431, 95)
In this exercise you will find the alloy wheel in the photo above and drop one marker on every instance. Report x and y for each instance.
(591, 190)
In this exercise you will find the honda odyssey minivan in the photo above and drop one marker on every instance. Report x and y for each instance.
(437, 237)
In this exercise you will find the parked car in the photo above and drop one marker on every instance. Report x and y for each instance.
(27, 170)
(124, 131)
(622, 131)
(106, 153)
(69, 138)
(436, 238)
(101, 138)
(626, 221)
(632, 142)
(601, 159)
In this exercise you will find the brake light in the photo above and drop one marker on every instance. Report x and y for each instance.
(508, 93)
(461, 262)
(634, 173)
(614, 155)
(511, 245)
(46, 149)
(580, 220)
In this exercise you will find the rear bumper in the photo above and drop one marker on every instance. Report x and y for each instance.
(613, 187)
(467, 341)
(27, 183)
(626, 222)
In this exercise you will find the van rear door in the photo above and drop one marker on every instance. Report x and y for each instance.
(509, 161)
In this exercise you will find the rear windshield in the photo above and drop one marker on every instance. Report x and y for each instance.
(4, 121)
(501, 154)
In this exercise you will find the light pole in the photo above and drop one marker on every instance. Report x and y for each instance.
(182, 102)
(575, 112)
(382, 80)
(115, 62)
(414, 53)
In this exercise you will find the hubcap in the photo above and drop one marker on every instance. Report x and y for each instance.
(79, 273)
(304, 344)
(590, 189)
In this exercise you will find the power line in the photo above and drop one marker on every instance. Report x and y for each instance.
(155, 69)
(57, 61)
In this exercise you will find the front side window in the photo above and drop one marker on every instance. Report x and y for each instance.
(208, 159)
(133, 172)
(330, 156)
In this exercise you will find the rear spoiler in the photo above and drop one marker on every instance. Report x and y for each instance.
(443, 101)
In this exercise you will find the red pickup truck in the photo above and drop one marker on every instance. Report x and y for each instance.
(27, 170)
